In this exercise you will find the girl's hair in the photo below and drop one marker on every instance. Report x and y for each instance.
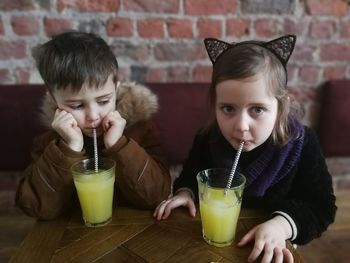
(249, 60)
(73, 58)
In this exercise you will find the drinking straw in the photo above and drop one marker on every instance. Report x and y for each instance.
(95, 150)
(234, 166)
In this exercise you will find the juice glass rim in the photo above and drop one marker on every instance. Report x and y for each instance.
(242, 184)
(84, 164)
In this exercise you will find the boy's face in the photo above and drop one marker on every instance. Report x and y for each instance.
(245, 111)
(88, 106)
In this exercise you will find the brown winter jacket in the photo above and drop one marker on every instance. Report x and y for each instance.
(142, 176)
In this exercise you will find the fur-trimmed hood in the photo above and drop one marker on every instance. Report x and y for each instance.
(134, 102)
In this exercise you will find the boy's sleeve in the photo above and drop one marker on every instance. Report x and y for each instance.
(46, 185)
(142, 174)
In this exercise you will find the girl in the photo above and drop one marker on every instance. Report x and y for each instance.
(282, 160)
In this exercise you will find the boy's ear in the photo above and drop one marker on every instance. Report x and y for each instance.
(51, 99)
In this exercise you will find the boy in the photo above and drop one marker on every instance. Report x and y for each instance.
(80, 72)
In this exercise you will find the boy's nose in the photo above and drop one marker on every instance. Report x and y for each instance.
(92, 115)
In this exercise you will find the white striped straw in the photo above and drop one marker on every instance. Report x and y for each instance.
(95, 150)
(234, 166)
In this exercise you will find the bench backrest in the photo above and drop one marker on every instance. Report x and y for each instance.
(182, 113)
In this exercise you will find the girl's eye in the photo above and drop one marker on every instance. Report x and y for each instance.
(258, 110)
(227, 109)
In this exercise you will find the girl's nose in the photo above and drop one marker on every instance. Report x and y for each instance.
(242, 122)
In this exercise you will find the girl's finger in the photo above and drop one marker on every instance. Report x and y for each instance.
(288, 257)
(257, 249)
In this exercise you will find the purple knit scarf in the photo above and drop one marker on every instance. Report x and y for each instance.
(271, 164)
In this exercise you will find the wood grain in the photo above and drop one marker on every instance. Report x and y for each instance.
(133, 236)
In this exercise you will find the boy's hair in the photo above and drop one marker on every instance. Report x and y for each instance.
(72, 59)
(249, 60)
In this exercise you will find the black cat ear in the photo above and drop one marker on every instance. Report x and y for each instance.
(282, 47)
(215, 48)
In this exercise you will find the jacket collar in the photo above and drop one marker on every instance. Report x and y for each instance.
(134, 102)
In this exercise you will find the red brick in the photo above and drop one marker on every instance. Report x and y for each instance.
(179, 52)
(9, 5)
(22, 75)
(175, 74)
(322, 29)
(89, 5)
(336, 72)
(12, 49)
(123, 74)
(302, 53)
(120, 27)
(295, 27)
(309, 74)
(4, 75)
(291, 71)
(55, 26)
(335, 52)
(2, 31)
(25, 25)
(345, 29)
(237, 27)
(300, 94)
(156, 75)
(179, 28)
(327, 7)
(209, 28)
(152, 6)
(266, 27)
(202, 74)
(205, 7)
(151, 28)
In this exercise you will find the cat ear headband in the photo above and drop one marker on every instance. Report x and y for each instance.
(281, 47)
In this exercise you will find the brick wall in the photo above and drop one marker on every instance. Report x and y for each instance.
(161, 41)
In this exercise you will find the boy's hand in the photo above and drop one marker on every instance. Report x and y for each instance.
(67, 127)
(182, 198)
(270, 240)
(113, 126)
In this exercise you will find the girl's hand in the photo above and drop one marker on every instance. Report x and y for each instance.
(182, 198)
(270, 240)
(67, 127)
(113, 126)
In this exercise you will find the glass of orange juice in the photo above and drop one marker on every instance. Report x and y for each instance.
(95, 190)
(219, 207)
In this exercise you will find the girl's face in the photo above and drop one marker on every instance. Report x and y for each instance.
(88, 106)
(245, 111)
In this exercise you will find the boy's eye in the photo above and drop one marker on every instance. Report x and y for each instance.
(76, 107)
(104, 102)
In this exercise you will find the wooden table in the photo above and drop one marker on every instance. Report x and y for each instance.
(132, 236)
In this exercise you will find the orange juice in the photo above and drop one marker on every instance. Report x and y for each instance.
(219, 207)
(219, 216)
(95, 191)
